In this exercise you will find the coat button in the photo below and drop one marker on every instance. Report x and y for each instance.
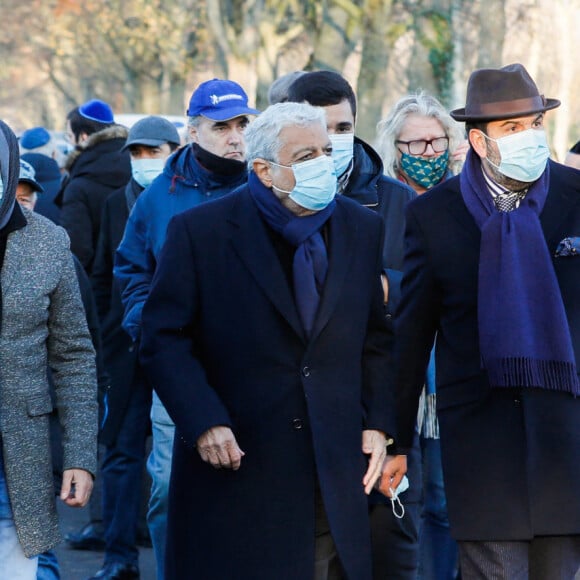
(306, 371)
(388, 316)
(297, 424)
(517, 401)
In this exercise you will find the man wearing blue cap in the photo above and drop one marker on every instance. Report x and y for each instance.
(128, 402)
(96, 168)
(210, 167)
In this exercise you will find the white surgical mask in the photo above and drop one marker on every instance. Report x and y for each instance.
(523, 155)
(342, 151)
(1, 189)
(145, 170)
(315, 182)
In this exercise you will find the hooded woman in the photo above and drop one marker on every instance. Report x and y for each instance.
(42, 322)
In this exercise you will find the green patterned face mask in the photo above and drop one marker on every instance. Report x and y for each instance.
(426, 171)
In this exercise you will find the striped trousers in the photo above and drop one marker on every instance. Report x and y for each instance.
(543, 558)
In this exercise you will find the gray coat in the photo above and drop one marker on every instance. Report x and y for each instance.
(43, 324)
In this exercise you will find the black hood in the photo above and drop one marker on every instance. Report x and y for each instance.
(46, 168)
(9, 171)
(362, 185)
(100, 158)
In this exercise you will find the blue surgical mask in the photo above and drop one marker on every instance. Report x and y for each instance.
(146, 170)
(425, 171)
(396, 505)
(523, 155)
(342, 151)
(315, 182)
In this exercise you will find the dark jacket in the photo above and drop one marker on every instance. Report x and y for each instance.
(43, 323)
(388, 197)
(119, 352)
(183, 184)
(96, 169)
(223, 345)
(497, 444)
(49, 176)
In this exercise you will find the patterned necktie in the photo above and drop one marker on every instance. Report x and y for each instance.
(509, 201)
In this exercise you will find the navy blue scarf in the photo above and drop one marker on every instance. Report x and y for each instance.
(310, 259)
(523, 330)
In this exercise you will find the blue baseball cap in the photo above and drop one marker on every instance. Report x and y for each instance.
(34, 138)
(28, 175)
(219, 100)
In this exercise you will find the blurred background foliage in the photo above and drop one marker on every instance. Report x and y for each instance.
(146, 56)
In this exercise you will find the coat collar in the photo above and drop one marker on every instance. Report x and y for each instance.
(251, 242)
(107, 134)
(562, 196)
(16, 247)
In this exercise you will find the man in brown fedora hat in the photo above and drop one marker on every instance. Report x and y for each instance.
(490, 268)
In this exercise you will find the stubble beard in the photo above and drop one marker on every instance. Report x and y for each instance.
(503, 180)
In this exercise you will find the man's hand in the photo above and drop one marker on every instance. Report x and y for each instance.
(218, 446)
(385, 284)
(374, 443)
(77, 485)
(394, 468)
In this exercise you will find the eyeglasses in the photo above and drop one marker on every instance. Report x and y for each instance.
(419, 147)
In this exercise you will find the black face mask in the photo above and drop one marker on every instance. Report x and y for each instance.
(217, 164)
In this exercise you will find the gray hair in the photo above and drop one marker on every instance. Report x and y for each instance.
(49, 148)
(262, 135)
(390, 128)
(193, 121)
(278, 91)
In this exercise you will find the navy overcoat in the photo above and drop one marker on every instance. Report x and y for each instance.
(223, 345)
(510, 456)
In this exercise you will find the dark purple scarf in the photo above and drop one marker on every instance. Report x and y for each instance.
(310, 258)
(523, 330)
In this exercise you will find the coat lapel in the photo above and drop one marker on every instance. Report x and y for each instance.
(341, 247)
(562, 197)
(459, 211)
(250, 241)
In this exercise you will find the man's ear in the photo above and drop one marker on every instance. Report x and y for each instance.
(262, 170)
(477, 141)
(192, 134)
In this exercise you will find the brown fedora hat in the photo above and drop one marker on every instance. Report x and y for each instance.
(505, 93)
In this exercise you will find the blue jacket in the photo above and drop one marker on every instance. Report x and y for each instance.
(182, 185)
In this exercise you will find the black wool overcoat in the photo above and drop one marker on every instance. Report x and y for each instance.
(223, 345)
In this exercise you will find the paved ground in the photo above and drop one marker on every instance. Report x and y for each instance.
(79, 565)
